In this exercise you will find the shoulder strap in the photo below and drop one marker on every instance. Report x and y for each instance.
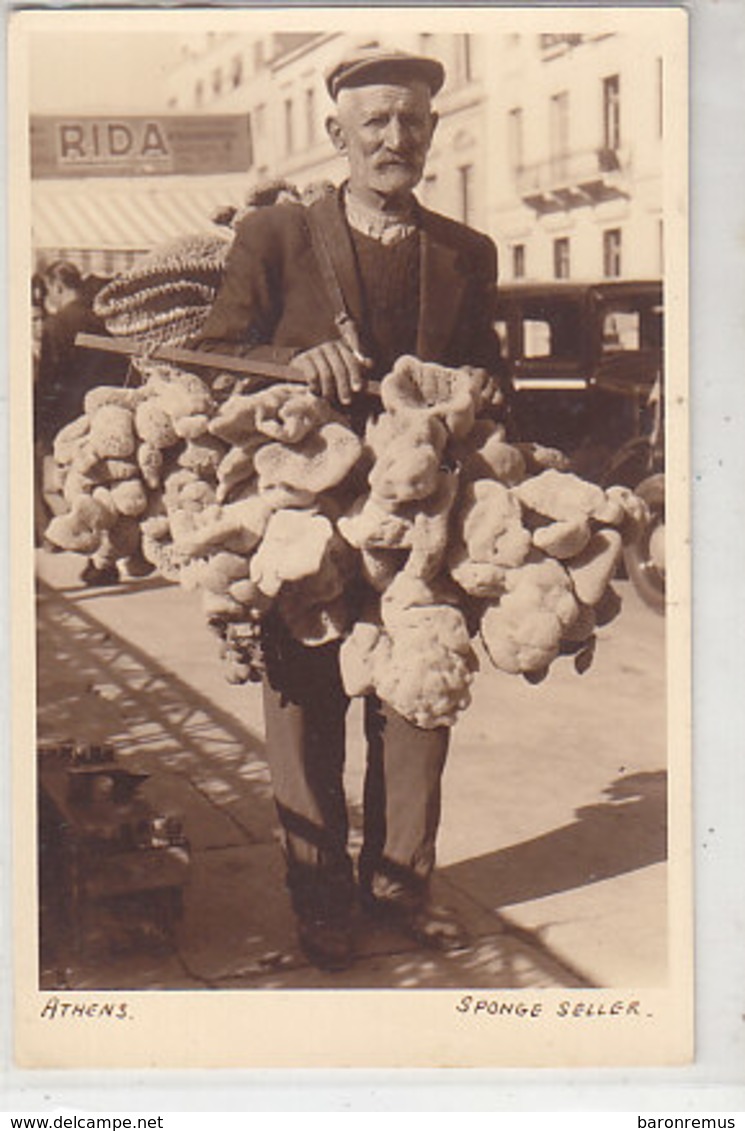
(343, 319)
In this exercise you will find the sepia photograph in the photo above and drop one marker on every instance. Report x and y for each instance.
(349, 441)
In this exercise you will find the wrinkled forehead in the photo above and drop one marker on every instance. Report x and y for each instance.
(414, 95)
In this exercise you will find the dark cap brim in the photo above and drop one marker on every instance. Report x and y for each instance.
(386, 69)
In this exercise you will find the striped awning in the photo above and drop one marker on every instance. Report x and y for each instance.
(132, 215)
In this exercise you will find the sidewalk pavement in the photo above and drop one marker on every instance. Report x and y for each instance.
(552, 846)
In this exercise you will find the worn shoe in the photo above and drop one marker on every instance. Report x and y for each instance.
(436, 928)
(94, 575)
(431, 925)
(326, 943)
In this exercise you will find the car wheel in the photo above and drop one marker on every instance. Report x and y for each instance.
(644, 557)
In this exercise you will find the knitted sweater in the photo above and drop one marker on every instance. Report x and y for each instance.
(389, 275)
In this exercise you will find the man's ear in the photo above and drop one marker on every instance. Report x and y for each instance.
(336, 133)
(434, 119)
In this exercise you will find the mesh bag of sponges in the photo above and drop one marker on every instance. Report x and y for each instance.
(166, 297)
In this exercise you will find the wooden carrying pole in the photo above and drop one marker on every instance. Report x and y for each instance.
(265, 370)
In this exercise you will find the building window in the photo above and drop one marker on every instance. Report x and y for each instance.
(556, 44)
(310, 116)
(518, 261)
(559, 133)
(612, 112)
(289, 135)
(561, 258)
(217, 82)
(199, 93)
(236, 71)
(515, 137)
(612, 253)
(465, 186)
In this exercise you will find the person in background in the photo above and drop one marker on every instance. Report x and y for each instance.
(339, 290)
(64, 374)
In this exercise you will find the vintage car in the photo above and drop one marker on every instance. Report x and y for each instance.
(586, 364)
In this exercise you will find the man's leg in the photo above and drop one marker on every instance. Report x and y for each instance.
(402, 816)
(305, 710)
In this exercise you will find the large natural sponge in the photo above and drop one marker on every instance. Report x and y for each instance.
(592, 571)
(488, 527)
(236, 527)
(293, 547)
(81, 529)
(485, 454)
(112, 432)
(408, 451)
(283, 412)
(420, 528)
(524, 630)
(321, 461)
(316, 608)
(414, 652)
(562, 496)
(451, 395)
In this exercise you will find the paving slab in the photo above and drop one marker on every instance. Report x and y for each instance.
(618, 927)
(501, 962)
(136, 970)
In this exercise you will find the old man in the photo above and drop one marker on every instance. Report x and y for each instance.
(339, 290)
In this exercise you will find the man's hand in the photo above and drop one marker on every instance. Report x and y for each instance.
(332, 371)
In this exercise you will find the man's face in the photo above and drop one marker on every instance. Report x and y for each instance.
(385, 133)
(54, 298)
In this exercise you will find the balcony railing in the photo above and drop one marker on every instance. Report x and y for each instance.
(570, 180)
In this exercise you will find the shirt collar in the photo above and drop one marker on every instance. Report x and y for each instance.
(386, 228)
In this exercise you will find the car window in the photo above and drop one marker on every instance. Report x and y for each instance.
(536, 338)
(621, 330)
(631, 325)
(551, 330)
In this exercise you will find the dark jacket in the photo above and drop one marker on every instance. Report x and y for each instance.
(66, 371)
(273, 302)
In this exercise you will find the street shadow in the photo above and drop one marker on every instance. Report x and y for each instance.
(94, 685)
(80, 592)
(626, 832)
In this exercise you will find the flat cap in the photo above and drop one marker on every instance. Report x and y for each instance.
(382, 65)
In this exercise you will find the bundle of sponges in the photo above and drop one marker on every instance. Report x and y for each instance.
(235, 500)
(165, 298)
(504, 539)
(402, 521)
(269, 500)
(540, 556)
(112, 459)
(248, 519)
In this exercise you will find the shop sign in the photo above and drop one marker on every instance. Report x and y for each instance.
(127, 146)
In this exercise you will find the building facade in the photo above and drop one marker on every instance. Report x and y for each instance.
(553, 144)
(577, 137)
